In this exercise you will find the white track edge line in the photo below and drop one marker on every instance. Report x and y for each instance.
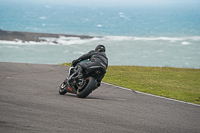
(151, 94)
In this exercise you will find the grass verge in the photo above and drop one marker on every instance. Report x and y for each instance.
(176, 83)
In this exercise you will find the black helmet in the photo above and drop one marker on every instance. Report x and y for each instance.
(100, 48)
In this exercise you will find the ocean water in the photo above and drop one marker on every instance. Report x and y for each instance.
(154, 35)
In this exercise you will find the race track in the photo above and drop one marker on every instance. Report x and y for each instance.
(30, 103)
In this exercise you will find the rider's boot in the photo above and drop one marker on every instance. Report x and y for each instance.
(98, 83)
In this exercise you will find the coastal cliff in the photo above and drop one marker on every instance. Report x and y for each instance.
(29, 36)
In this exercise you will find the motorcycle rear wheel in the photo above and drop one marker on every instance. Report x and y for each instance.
(87, 88)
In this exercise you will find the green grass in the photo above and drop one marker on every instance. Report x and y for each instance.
(176, 83)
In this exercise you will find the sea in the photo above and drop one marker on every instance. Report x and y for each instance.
(157, 35)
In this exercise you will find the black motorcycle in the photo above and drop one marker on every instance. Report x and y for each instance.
(82, 87)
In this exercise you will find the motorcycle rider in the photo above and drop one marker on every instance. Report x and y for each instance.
(96, 57)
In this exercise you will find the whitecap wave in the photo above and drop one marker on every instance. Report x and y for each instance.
(20, 42)
(47, 6)
(43, 17)
(172, 39)
(99, 25)
(62, 40)
(185, 43)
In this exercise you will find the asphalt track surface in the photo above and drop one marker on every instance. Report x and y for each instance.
(29, 102)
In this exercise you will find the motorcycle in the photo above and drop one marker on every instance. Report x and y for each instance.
(82, 87)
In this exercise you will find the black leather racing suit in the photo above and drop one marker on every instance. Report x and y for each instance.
(96, 58)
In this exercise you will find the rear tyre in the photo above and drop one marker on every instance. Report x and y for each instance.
(62, 89)
(87, 88)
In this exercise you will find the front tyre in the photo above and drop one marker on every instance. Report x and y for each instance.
(62, 89)
(87, 88)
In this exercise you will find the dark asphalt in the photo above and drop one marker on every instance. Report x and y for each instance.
(29, 102)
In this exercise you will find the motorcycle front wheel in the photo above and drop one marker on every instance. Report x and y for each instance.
(62, 89)
(87, 88)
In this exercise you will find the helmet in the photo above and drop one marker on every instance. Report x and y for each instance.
(100, 48)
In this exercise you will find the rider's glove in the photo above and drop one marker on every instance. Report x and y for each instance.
(74, 62)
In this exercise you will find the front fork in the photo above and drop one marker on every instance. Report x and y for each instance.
(70, 88)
